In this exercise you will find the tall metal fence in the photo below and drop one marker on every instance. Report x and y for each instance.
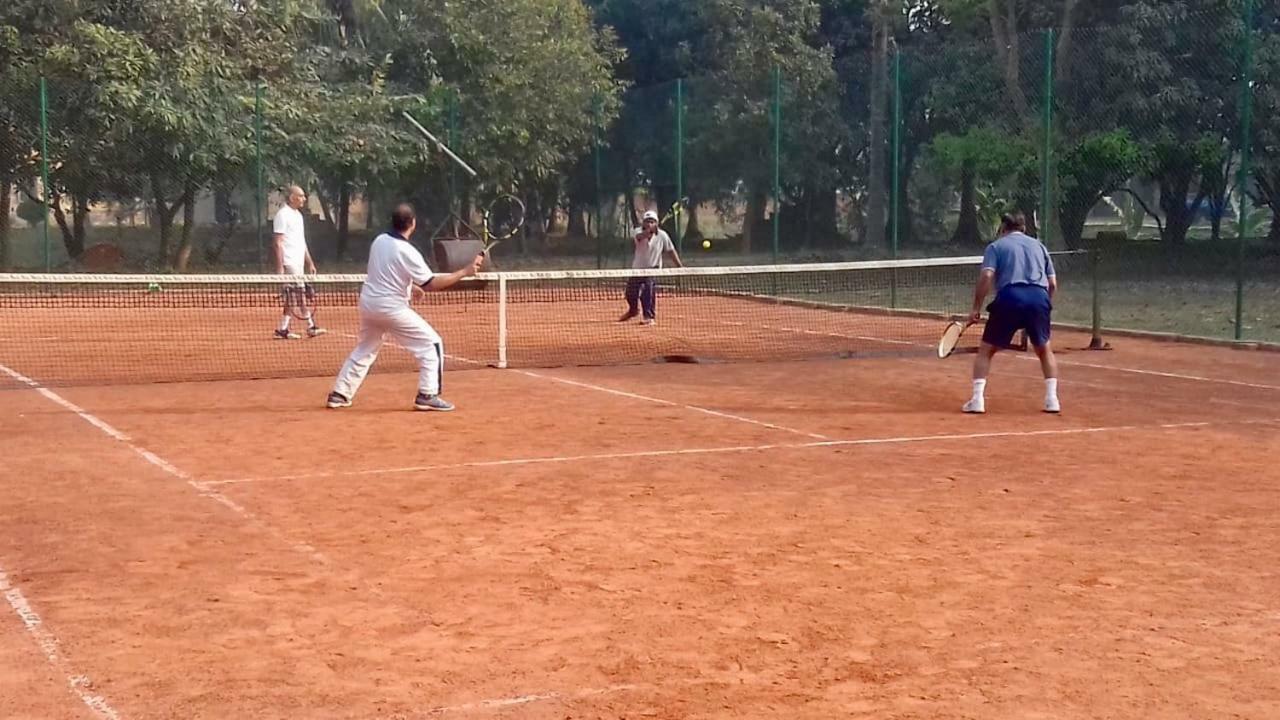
(1155, 143)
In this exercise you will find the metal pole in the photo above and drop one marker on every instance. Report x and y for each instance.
(777, 156)
(1095, 261)
(260, 195)
(599, 226)
(44, 169)
(897, 168)
(1246, 143)
(1046, 182)
(679, 160)
(453, 141)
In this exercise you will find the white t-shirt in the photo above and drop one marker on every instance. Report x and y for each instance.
(395, 266)
(649, 252)
(288, 222)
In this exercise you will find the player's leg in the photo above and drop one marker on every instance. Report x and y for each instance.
(309, 296)
(633, 299)
(287, 300)
(649, 299)
(1002, 323)
(1039, 332)
(981, 369)
(358, 362)
(415, 335)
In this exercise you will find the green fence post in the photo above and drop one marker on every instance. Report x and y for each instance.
(44, 170)
(777, 156)
(452, 131)
(1046, 182)
(598, 130)
(895, 191)
(1095, 277)
(1246, 146)
(679, 161)
(260, 195)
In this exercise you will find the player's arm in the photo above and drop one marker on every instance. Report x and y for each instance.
(980, 293)
(278, 227)
(444, 282)
(310, 264)
(278, 241)
(1051, 273)
(669, 249)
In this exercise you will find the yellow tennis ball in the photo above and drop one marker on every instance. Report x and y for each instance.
(706, 244)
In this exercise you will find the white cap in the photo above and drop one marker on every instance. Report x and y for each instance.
(650, 215)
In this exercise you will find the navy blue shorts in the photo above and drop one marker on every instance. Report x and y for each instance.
(1019, 307)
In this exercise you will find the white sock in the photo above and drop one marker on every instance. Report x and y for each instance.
(1051, 387)
(284, 323)
(311, 321)
(979, 388)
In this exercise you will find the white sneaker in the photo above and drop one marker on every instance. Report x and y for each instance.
(975, 406)
(1052, 406)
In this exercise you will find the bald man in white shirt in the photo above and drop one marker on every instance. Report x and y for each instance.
(289, 238)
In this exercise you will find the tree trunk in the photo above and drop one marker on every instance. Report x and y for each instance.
(968, 231)
(79, 224)
(186, 245)
(6, 203)
(344, 220)
(1269, 190)
(577, 221)
(72, 232)
(877, 148)
(164, 214)
(753, 236)
(1174, 186)
(823, 215)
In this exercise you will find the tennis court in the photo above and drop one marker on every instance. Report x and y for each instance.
(817, 533)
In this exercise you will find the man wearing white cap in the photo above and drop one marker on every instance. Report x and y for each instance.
(652, 244)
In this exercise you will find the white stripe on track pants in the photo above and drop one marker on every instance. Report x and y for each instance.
(408, 330)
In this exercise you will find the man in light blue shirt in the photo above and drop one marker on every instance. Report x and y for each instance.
(1020, 270)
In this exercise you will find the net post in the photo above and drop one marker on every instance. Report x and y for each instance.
(1046, 184)
(897, 167)
(1246, 146)
(259, 196)
(502, 321)
(44, 169)
(1095, 261)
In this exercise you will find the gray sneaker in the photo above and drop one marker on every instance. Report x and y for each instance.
(337, 401)
(427, 402)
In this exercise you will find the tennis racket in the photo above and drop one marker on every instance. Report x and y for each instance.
(503, 218)
(299, 300)
(677, 208)
(951, 338)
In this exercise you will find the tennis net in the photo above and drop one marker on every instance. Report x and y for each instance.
(108, 329)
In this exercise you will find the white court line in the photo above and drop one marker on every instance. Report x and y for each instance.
(669, 403)
(1175, 376)
(518, 700)
(168, 468)
(79, 683)
(1113, 368)
(555, 459)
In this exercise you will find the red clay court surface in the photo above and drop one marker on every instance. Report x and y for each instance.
(823, 539)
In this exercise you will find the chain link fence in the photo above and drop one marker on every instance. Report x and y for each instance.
(1155, 144)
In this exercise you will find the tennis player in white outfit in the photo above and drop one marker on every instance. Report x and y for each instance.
(396, 271)
(292, 256)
